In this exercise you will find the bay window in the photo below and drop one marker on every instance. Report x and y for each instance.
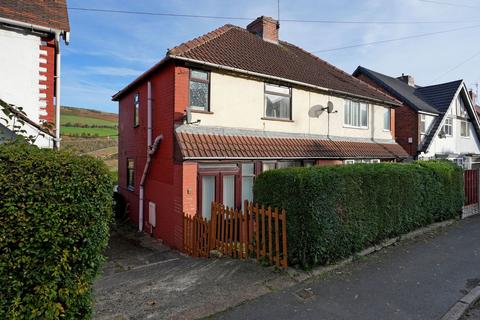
(356, 114)
(277, 102)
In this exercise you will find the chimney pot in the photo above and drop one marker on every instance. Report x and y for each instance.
(266, 28)
(408, 79)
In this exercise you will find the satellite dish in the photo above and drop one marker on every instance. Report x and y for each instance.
(315, 111)
(330, 107)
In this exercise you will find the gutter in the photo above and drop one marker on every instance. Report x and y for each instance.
(261, 75)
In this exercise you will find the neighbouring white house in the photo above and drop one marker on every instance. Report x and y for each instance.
(436, 121)
(30, 36)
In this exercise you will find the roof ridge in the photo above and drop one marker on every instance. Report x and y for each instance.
(440, 84)
(200, 40)
(343, 72)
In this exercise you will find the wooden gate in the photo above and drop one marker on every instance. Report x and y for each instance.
(471, 186)
(255, 231)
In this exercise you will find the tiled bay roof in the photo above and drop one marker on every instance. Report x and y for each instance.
(201, 145)
(45, 13)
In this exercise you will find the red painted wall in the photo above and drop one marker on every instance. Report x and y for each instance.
(170, 184)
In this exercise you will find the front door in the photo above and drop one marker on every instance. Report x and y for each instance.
(218, 183)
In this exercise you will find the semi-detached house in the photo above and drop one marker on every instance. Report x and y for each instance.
(201, 124)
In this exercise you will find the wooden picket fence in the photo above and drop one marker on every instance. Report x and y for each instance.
(256, 231)
(471, 186)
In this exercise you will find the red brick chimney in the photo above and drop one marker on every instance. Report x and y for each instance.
(266, 28)
(407, 79)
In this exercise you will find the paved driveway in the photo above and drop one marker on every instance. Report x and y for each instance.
(419, 279)
(142, 279)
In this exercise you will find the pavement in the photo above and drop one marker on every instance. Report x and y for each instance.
(420, 278)
(143, 279)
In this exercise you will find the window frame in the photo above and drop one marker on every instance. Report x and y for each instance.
(130, 183)
(389, 111)
(136, 110)
(208, 81)
(423, 118)
(449, 124)
(467, 129)
(289, 95)
(346, 125)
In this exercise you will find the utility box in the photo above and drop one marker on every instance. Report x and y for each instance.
(152, 214)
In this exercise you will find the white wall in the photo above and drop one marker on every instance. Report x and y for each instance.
(19, 77)
(455, 144)
(239, 103)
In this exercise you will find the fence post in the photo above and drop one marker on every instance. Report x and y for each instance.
(257, 236)
(235, 234)
(277, 240)
(264, 240)
(270, 240)
(284, 234)
(213, 227)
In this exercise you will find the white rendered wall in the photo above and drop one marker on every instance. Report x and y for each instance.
(455, 144)
(239, 103)
(19, 77)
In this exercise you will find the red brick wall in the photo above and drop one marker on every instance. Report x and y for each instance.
(47, 86)
(328, 162)
(266, 27)
(190, 188)
(405, 121)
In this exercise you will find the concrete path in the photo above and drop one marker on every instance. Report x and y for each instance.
(417, 279)
(142, 279)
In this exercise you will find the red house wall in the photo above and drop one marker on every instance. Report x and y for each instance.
(170, 184)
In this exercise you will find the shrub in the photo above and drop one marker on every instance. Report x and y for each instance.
(335, 211)
(55, 210)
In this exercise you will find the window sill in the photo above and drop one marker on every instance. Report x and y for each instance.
(201, 111)
(277, 119)
(353, 127)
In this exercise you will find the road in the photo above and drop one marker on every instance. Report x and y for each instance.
(417, 279)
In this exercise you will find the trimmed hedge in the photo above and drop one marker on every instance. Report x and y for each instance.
(55, 210)
(335, 211)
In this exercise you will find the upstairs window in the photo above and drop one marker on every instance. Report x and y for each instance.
(136, 106)
(356, 114)
(464, 129)
(130, 174)
(423, 123)
(199, 90)
(448, 127)
(386, 119)
(278, 102)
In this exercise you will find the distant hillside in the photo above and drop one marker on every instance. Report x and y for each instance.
(87, 122)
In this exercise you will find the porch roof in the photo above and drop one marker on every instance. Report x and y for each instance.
(214, 143)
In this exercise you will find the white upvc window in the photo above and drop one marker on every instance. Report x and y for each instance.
(464, 129)
(386, 119)
(448, 127)
(278, 102)
(423, 124)
(199, 90)
(356, 114)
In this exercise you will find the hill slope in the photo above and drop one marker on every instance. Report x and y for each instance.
(87, 123)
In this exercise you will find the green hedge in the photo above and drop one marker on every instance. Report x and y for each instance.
(55, 210)
(335, 211)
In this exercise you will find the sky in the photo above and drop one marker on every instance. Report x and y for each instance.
(109, 50)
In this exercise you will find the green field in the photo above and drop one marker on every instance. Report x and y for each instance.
(101, 132)
(68, 118)
(88, 117)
